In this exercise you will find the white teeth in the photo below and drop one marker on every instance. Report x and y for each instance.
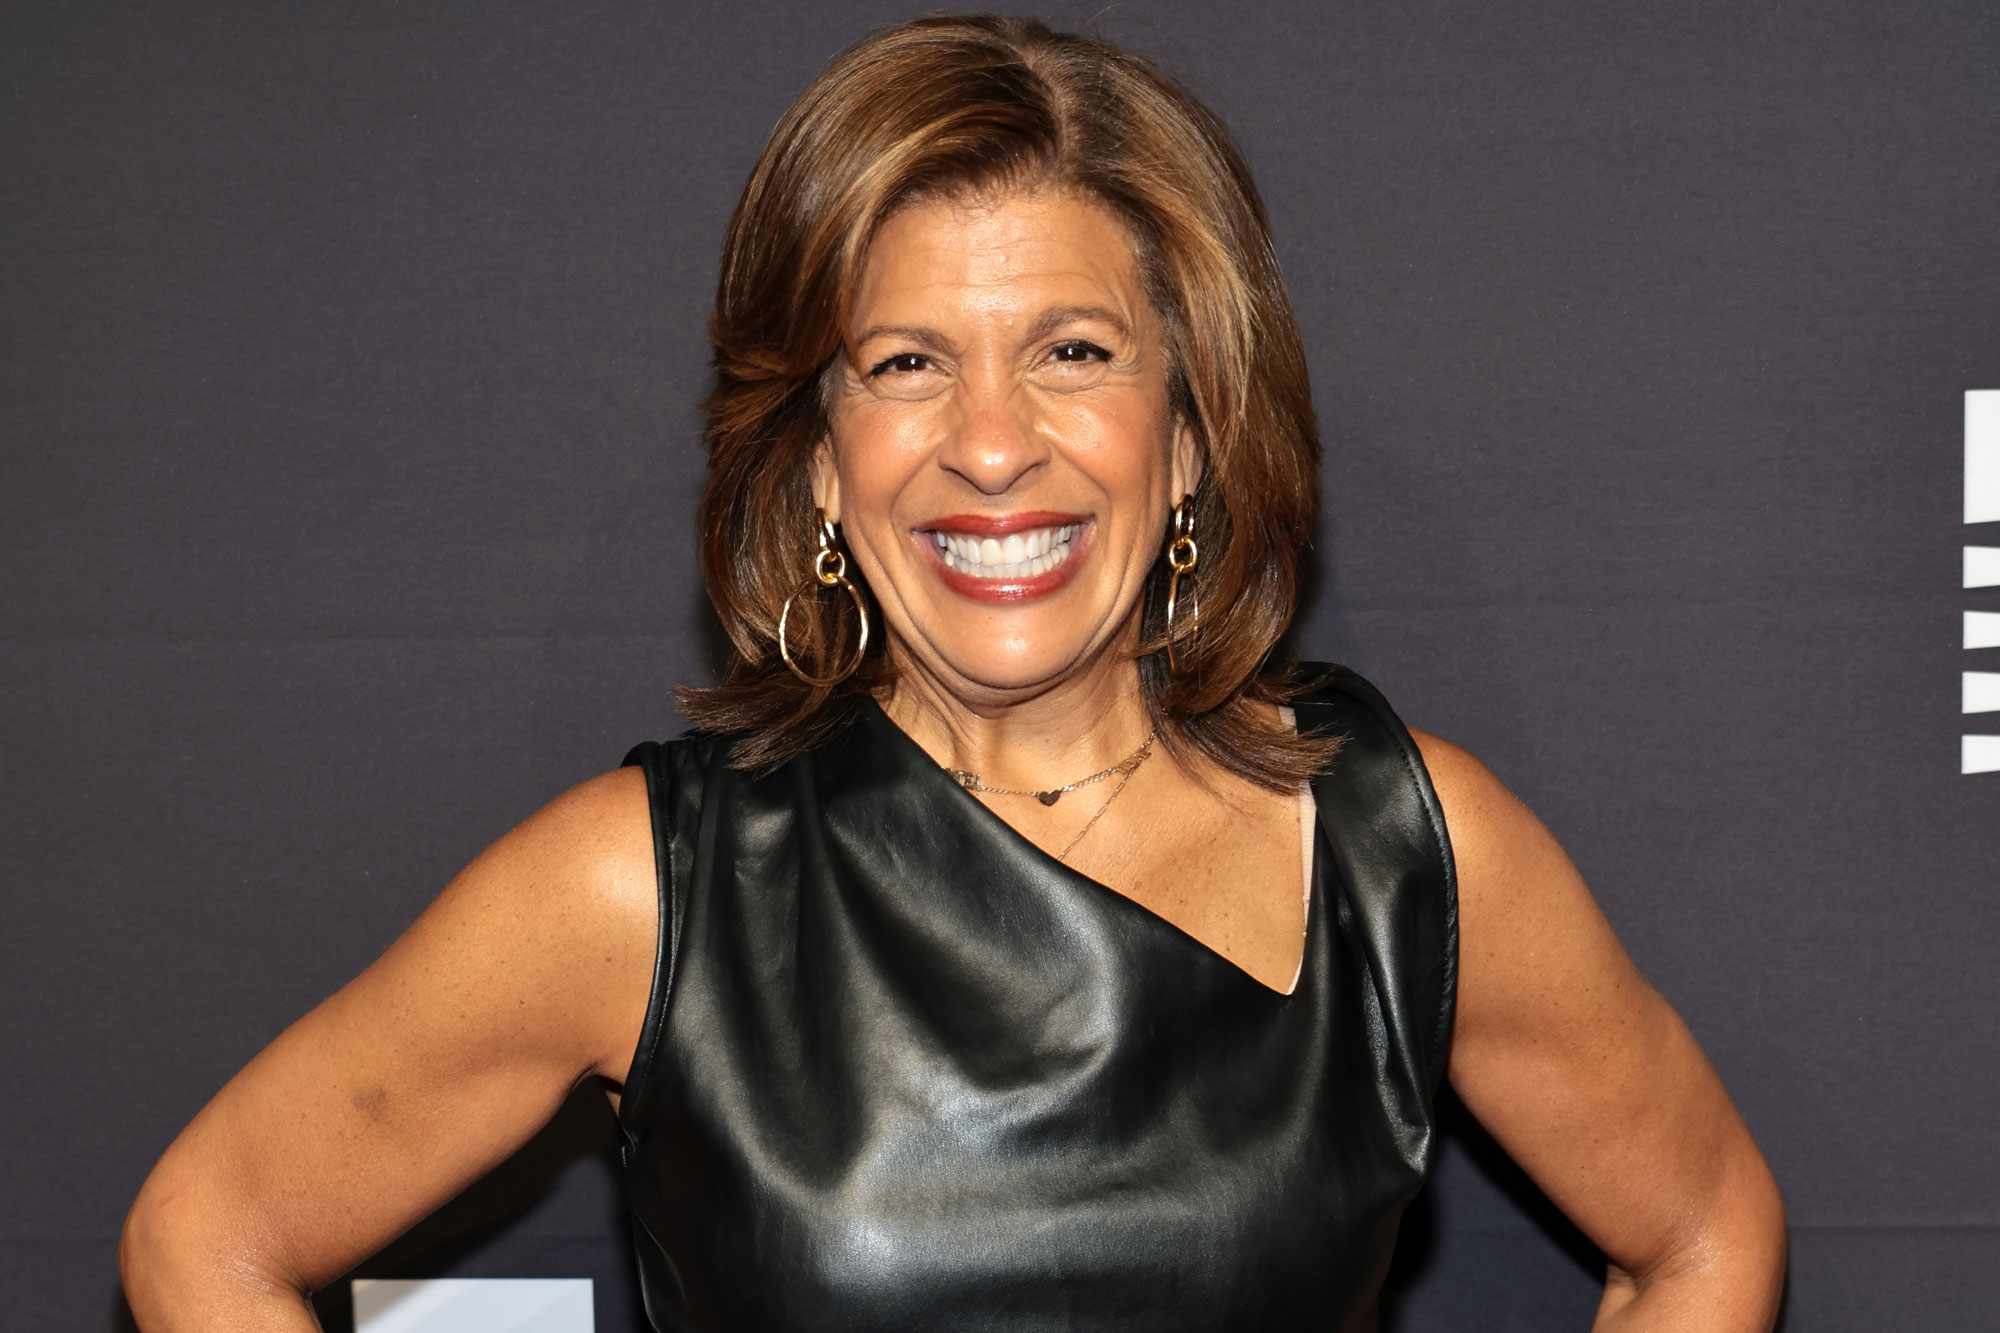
(1019, 555)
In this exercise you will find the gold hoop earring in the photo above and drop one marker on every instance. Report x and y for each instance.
(829, 570)
(1182, 555)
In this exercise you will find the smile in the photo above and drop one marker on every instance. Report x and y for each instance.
(1018, 555)
(1009, 558)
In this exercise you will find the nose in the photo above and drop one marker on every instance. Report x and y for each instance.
(993, 440)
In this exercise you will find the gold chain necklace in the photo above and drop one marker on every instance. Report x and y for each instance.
(1050, 795)
(1069, 847)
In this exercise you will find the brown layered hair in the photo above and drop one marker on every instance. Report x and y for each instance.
(950, 107)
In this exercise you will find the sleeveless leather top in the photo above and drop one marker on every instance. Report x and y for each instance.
(902, 1069)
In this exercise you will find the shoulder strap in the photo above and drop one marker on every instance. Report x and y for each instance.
(1383, 821)
(670, 779)
(663, 793)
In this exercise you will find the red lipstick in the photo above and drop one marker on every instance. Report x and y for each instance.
(999, 525)
(1026, 588)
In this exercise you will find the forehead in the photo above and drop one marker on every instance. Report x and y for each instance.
(999, 255)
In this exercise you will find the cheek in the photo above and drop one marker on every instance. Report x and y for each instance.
(876, 454)
(1127, 448)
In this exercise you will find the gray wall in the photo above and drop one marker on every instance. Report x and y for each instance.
(347, 453)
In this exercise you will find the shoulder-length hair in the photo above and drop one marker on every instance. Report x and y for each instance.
(951, 106)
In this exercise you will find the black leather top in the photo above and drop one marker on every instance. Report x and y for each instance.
(905, 1070)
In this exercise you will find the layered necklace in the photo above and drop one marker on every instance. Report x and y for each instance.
(1123, 770)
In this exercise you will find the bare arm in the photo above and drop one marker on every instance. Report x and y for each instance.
(1592, 1083)
(528, 974)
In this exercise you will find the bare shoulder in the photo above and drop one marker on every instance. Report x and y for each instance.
(1470, 793)
(557, 920)
(1537, 955)
(591, 849)
(1504, 854)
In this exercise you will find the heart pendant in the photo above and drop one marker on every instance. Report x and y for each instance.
(1048, 797)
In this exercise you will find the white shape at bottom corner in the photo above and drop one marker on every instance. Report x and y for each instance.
(473, 1305)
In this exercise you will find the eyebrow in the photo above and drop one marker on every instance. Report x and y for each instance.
(1046, 323)
(1056, 316)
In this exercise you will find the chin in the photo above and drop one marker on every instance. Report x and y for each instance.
(1006, 661)
(1007, 630)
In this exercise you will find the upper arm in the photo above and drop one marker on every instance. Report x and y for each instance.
(528, 973)
(1565, 1053)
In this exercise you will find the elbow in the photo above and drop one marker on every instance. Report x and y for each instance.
(1747, 1250)
(1729, 1263)
(142, 1238)
(1737, 1258)
(169, 1201)
(1754, 1226)
(181, 1260)
(152, 1267)
(142, 1263)
(1772, 1237)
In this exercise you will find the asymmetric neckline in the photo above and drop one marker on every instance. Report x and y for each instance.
(901, 1068)
(990, 825)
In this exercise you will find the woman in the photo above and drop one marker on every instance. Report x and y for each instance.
(1014, 945)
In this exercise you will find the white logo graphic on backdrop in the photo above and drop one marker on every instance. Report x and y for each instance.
(1979, 691)
(473, 1305)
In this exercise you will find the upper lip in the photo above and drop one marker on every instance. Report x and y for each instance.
(999, 525)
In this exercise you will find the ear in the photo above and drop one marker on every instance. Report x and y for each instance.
(825, 479)
(1184, 469)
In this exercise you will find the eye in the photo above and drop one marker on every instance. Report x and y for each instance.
(901, 362)
(1078, 351)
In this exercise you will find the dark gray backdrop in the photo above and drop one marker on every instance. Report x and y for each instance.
(352, 357)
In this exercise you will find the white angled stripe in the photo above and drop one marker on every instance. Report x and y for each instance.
(1981, 692)
(1980, 754)
(473, 1305)
(1982, 455)
(1982, 567)
(1982, 629)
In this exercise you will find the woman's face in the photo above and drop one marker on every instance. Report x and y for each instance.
(1003, 456)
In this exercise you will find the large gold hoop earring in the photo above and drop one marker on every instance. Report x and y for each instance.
(829, 570)
(1182, 556)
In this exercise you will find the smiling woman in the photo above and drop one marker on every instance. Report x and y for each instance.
(1043, 383)
(970, 227)
(1017, 943)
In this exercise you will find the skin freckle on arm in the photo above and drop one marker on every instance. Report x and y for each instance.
(372, 1102)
